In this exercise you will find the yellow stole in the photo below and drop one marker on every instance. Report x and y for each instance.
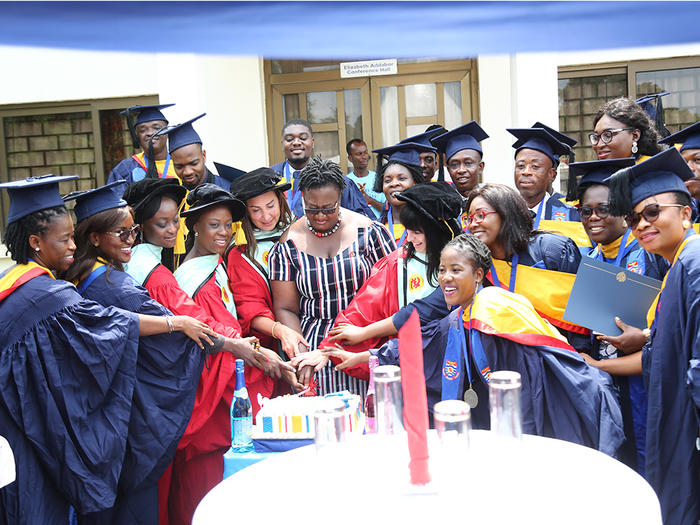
(572, 229)
(547, 290)
(651, 313)
(19, 274)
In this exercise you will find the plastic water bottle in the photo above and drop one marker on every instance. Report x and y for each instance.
(370, 421)
(241, 413)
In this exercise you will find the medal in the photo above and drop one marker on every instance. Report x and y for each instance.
(470, 398)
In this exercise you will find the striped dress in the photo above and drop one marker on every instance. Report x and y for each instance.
(326, 286)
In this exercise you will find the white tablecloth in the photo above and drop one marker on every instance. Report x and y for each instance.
(539, 481)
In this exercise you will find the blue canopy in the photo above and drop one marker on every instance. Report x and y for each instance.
(347, 29)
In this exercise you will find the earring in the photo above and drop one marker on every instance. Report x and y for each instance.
(36, 249)
(635, 149)
(624, 223)
(686, 224)
(196, 234)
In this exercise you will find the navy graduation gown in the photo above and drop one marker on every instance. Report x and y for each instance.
(67, 377)
(561, 396)
(671, 366)
(351, 199)
(168, 371)
(557, 210)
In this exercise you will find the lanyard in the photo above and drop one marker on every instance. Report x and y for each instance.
(538, 217)
(390, 219)
(90, 278)
(165, 170)
(621, 251)
(513, 273)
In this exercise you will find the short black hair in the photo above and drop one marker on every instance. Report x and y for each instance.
(16, 236)
(477, 252)
(297, 122)
(416, 174)
(516, 219)
(348, 146)
(318, 173)
(682, 198)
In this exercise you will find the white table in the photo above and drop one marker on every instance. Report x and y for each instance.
(539, 481)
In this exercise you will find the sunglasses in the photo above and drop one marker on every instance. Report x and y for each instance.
(325, 211)
(650, 213)
(602, 211)
(126, 235)
(478, 217)
(606, 136)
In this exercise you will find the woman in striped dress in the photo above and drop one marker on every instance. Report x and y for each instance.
(318, 266)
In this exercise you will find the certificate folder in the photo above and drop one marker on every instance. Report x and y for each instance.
(602, 291)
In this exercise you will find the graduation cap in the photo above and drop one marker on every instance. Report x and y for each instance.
(34, 194)
(228, 172)
(437, 201)
(539, 139)
(139, 194)
(256, 183)
(181, 134)
(652, 106)
(662, 173)
(143, 114)
(404, 152)
(594, 172)
(689, 138)
(90, 202)
(207, 195)
(467, 136)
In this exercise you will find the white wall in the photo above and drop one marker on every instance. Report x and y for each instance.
(229, 89)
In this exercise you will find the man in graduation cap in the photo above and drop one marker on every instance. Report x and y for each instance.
(148, 121)
(464, 156)
(298, 145)
(537, 154)
(653, 197)
(687, 141)
(189, 156)
(428, 156)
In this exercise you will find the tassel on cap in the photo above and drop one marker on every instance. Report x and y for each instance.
(620, 193)
(132, 128)
(152, 172)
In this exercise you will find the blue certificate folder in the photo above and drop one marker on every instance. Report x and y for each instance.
(602, 291)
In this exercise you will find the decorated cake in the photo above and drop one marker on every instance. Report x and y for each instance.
(292, 417)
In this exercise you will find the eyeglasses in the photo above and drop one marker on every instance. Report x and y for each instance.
(325, 211)
(650, 213)
(127, 234)
(478, 217)
(606, 136)
(602, 211)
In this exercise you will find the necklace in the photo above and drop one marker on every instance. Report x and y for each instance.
(324, 234)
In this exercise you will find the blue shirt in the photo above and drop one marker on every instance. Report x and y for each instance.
(368, 182)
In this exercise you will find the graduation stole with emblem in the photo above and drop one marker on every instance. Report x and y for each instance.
(195, 273)
(656, 305)
(15, 276)
(548, 290)
(162, 166)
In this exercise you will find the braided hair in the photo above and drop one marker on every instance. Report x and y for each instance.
(16, 236)
(319, 173)
(632, 115)
(476, 251)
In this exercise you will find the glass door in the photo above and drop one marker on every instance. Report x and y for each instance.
(338, 111)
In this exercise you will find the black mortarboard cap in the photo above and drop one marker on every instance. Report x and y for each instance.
(595, 172)
(256, 183)
(652, 106)
(466, 136)
(34, 194)
(423, 139)
(140, 193)
(538, 139)
(181, 134)
(207, 195)
(689, 138)
(143, 114)
(91, 202)
(228, 172)
(437, 201)
(404, 152)
(664, 172)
